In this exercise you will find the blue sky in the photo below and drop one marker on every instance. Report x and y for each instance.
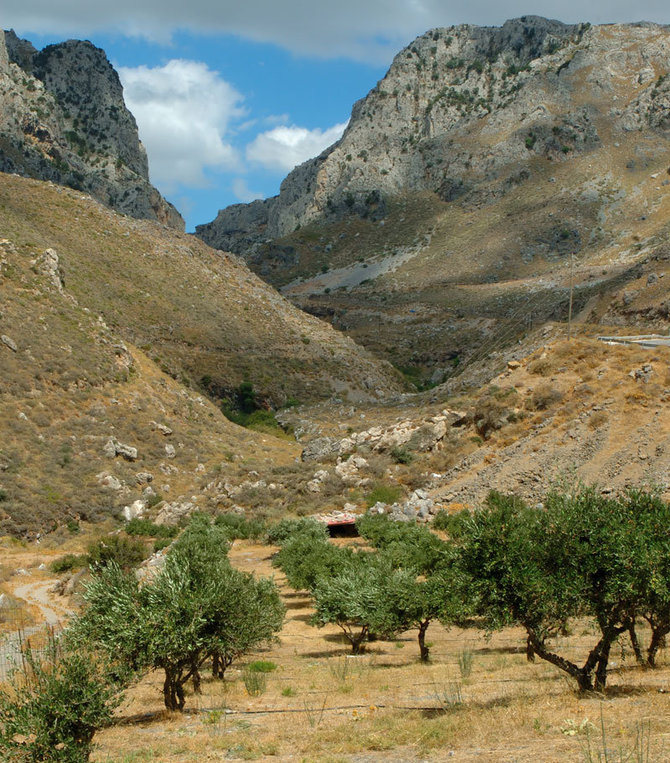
(229, 96)
(273, 107)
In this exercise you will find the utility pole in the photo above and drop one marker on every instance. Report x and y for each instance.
(572, 282)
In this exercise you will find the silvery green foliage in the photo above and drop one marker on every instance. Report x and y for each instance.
(58, 699)
(197, 607)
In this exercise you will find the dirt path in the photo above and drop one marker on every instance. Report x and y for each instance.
(37, 594)
(46, 611)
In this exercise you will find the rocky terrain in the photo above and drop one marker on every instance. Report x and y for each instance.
(112, 377)
(63, 118)
(582, 409)
(408, 134)
(522, 171)
(405, 234)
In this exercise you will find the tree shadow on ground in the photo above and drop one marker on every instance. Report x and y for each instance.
(499, 650)
(298, 604)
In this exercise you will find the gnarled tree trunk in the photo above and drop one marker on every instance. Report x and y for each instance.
(173, 690)
(423, 649)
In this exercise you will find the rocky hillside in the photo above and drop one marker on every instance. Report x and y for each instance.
(408, 133)
(63, 118)
(579, 409)
(483, 166)
(118, 339)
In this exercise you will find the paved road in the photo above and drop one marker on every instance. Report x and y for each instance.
(643, 340)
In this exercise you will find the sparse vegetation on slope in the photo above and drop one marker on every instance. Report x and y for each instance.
(102, 351)
(429, 265)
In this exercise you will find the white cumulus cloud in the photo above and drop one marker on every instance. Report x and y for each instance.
(243, 192)
(284, 147)
(183, 111)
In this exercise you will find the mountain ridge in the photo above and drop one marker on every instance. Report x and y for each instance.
(64, 119)
(470, 179)
(522, 39)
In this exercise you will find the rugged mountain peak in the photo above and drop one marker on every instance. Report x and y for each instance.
(19, 51)
(487, 160)
(452, 112)
(526, 38)
(65, 120)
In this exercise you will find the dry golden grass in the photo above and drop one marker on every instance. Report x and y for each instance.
(145, 314)
(323, 705)
(194, 311)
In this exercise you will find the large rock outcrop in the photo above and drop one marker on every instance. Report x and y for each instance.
(466, 111)
(64, 119)
(443, 224)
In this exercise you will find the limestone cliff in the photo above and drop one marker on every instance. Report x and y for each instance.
(63, 118)
(487, 162)
(465, 111)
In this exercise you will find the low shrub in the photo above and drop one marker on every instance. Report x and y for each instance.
(452, 523)
(541, 367)
(262, 666)
(146, 527)
(154, 500)
(124, 551)
(72, 525)
(598, 419)
(68, 562)
(259, 420)
(493, 410)
(543, 397)
(383, 493)
(402, 455)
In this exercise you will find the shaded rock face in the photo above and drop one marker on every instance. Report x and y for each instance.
(64, 119)
(466, 112)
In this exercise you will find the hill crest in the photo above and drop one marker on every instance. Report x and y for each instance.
(64, 120)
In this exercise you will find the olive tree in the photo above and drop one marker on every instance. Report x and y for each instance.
(55, 702)
(414, 602)
(355, 599)
(598, 543)
(579, 555)
(425, 584)
(196, 607)
(306, 560)
(406, 544)
(650, 515)
(289, 528)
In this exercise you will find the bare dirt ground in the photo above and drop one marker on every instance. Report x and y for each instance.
(29, 586)
(38, 594)
(34, 605)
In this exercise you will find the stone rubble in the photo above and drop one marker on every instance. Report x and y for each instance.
(171, 513)
(135, 510)
(419, 506)
(423, 435)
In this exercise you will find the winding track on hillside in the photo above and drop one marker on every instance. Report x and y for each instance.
(36, 594)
